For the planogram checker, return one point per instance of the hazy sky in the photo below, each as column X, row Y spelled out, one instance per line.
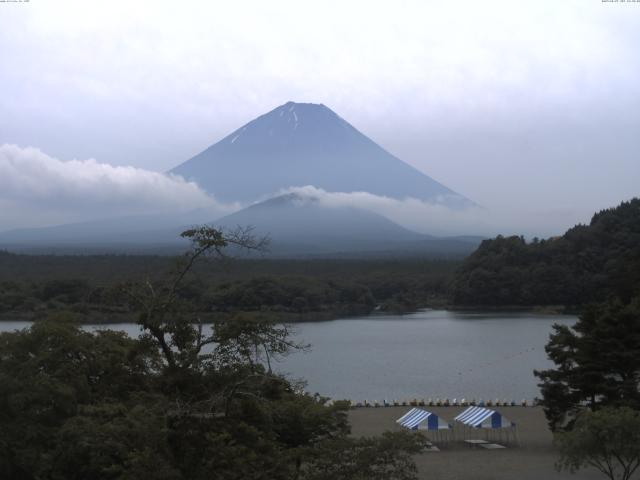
column 527, row 106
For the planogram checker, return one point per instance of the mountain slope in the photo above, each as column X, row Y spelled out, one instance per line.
column 301, row 144
column 301, row 225
column 133, row 233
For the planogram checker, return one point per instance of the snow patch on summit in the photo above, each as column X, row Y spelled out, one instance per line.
column 302, row 143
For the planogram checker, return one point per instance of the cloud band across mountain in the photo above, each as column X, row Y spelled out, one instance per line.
column 37, row 188
column 434, row 218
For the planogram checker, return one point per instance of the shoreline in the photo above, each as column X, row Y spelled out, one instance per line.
column 307, row 317
column 537, row 309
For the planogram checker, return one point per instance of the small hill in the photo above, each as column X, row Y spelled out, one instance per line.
column 302, row 225
column 588, row 263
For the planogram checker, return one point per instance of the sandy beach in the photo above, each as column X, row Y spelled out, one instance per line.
column 532, row 459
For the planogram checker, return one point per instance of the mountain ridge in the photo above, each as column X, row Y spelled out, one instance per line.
column 302, row 225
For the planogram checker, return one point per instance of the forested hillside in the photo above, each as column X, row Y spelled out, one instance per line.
column 32, row 286
column 588, row 263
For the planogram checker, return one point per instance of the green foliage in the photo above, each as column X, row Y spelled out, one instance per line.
column 76, row 404
column 293, row 295
column 384, row 458
column 597, row 362
column 588, row 263
column 607, row 439
column 293, row 290
column 48, row 374
column 251, row 340
column 65, row 290
column 79, row 405
column 114, row 440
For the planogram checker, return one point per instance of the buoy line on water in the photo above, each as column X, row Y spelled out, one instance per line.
column 498, row 361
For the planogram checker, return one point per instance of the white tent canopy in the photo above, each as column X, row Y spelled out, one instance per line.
column 480, row 417
column 418, row 419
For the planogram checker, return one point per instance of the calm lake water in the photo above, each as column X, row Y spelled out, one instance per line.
column 431, row 353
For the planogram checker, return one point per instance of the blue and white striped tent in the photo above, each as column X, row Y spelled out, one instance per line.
column 418, row 419
column 480, row 417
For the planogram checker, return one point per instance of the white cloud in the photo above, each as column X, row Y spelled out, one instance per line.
column 417, row 215
column 438, row 219
column 36, row 189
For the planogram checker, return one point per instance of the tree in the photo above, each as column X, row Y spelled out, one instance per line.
column 164, row 316
column 49, row 374
column 608, row 440
column 383, row 458
column 114, row 440
column 597, row 363
column 180, row 402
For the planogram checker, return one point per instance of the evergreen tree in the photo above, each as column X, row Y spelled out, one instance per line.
column 597, row 362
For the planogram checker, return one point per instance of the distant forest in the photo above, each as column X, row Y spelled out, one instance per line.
column 589, row 263
column 33, row 286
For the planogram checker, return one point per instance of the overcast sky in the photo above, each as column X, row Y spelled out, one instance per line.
column 527, row 106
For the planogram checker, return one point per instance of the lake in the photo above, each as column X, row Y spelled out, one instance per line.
column 430, row 353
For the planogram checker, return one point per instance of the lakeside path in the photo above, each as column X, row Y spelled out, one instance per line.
column 533, row 460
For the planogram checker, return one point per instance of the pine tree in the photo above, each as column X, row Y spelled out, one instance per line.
column 597, row 362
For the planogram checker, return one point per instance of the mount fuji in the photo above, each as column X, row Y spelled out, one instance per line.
column 294, row 145
column 301, row 144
